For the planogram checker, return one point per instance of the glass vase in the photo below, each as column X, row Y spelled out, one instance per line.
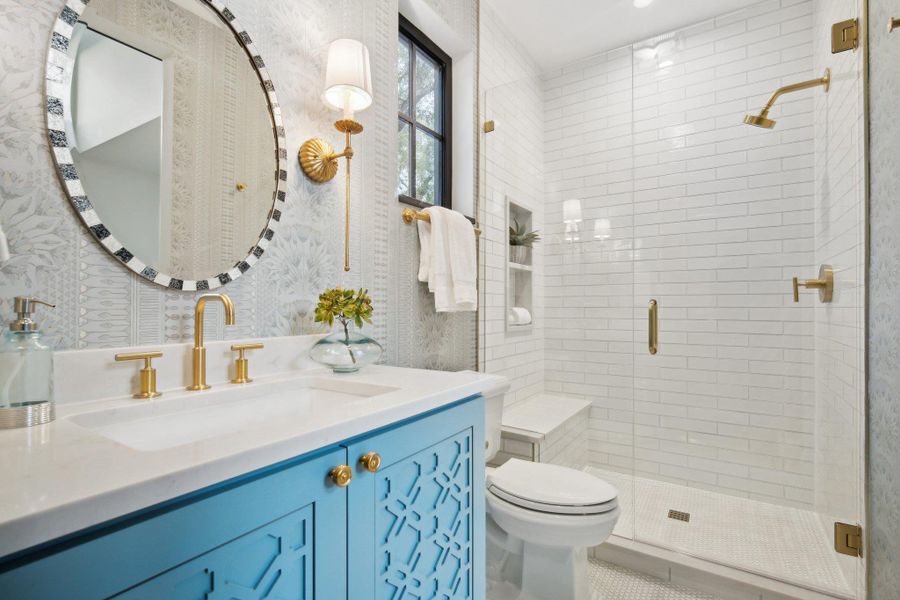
column 346, row 350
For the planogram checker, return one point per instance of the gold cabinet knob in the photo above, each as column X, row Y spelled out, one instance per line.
column 241, row 364
column 148, row 373
column 371, row 461
column 341, row 475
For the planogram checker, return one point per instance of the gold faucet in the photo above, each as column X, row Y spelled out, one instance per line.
column 199, row 348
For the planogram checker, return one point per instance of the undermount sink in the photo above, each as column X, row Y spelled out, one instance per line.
column 188, row 417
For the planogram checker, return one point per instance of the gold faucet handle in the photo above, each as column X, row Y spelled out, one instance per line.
column 241, row 363
column 148, row 373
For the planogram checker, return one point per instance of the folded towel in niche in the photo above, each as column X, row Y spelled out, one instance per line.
column 519, row 316
column 447, row 260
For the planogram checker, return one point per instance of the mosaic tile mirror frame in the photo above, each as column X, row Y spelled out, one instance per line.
column 61, row 66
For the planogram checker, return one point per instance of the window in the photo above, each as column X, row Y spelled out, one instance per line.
column 424, row 120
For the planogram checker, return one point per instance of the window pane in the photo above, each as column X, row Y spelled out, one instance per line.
column 428, row 171
column 427, row 92
column 403, row 159
column 403, row 74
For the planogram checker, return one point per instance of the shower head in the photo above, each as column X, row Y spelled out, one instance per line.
column 763, row 120
column 760, row 120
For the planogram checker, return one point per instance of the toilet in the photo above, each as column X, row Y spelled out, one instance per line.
column 541, row 521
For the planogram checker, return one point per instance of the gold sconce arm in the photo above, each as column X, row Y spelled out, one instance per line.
column 320, row 163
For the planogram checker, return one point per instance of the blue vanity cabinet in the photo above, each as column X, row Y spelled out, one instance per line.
column 414, row 528
column 276, row 533
column 416, row 525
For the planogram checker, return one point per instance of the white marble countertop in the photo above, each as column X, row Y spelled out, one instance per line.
column 61, row 477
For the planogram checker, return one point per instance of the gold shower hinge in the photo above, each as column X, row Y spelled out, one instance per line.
column 848, row 539
column 845, row 36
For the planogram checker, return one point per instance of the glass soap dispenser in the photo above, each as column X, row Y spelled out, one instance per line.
column 26, row 370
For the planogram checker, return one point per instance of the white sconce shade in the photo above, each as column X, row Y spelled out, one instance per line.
column 572, row 211
column 348, row 78
column 602, row 229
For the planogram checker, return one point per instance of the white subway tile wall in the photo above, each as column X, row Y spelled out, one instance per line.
column 683, row 203
column 512, row 167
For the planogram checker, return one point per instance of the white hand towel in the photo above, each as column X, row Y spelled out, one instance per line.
column 519, row 316
column 440, row 280
column 4, row 247
column 424, row 250
column 463, row 262
column 447, row 260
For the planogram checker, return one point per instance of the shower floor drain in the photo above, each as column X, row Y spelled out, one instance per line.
column 679, row 516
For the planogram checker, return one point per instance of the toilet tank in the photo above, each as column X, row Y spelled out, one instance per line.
column 493, row 416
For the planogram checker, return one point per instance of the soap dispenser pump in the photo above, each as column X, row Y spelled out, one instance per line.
column 26, row 370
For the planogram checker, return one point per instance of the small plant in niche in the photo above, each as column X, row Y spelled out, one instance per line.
column 520, row 241
column 345, row 351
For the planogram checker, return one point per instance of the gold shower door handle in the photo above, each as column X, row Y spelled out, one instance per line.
column 653, row 327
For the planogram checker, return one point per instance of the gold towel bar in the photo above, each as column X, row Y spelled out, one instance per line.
column 410, row 216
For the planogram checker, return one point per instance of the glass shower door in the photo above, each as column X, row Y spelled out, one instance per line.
column 747, row 403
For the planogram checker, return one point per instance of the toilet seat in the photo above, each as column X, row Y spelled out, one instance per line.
column 551, row 489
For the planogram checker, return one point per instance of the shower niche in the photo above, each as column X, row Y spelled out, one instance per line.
column 519, row 269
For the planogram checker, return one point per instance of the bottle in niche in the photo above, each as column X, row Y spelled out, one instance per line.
column 26, row 370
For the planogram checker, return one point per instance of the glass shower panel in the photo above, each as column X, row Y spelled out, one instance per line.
column 747, row 413
column 559, row 161
column 589, row 268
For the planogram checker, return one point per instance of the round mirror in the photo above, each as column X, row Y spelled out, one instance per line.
column 167, row 136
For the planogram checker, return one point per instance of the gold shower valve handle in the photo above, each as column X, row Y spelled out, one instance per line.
column 371, row 461
column 148, row 373
column 241, row 363
column 825, row 284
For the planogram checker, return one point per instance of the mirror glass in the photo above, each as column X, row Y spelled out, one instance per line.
column 171, row 133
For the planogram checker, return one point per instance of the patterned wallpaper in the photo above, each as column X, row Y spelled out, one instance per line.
column 103, row 305
column 884, row 322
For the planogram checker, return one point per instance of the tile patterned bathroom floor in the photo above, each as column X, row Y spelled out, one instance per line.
column 618, row 583
column 732, row 531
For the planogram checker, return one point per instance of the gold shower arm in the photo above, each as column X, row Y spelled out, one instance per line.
column 824, row 81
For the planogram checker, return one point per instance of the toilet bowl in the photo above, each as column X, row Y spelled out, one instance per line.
column 542, row 519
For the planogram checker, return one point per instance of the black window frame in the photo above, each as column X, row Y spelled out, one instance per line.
column 420, row 41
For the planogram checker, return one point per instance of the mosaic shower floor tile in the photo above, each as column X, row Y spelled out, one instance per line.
column 780, row 542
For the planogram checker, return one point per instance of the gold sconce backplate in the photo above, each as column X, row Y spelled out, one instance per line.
column 318, row 160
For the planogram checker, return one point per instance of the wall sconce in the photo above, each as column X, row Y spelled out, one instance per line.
column 571, row 219
column 602, row 229
column 348, row 87
column 572, row 211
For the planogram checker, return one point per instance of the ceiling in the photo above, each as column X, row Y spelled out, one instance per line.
column 556, row 32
